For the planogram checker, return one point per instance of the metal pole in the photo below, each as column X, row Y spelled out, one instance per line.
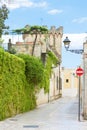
column 59, row 79
column 79, row 101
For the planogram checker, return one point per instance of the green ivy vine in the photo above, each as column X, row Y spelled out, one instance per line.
column 51, row 60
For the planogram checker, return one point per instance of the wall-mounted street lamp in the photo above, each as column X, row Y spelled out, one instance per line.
column 77, row 51
column 67, row 45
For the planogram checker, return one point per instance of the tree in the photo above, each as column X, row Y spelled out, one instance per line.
column 32, row 30
column 1, row 42
column 3, row 16
column 37, row 30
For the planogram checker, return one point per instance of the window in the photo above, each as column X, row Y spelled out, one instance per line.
column 67, row 80
column 43, row 57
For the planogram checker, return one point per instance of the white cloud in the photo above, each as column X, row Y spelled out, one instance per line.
column 13, row 4
column 77, row 40
column 55, row 11
column 80, row 20
column 40, row 4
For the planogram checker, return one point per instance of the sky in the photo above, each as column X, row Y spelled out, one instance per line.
column 72, row 15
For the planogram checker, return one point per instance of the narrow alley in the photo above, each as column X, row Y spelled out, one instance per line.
column 61, row 114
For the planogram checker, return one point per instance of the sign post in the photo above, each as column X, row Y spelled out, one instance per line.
column 79, row 72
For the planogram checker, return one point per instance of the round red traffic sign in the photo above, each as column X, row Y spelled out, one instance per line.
column 79, row 71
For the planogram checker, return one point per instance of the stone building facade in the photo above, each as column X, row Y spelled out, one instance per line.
column 84, row 79
column 70, row 82
column 49, row 42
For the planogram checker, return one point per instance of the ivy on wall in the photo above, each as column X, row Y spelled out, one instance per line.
column 20, row 76
column 51, row 60
column 36, row 73
column 16, row 95
column 34, row 69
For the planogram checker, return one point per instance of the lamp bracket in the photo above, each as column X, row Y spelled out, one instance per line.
column 80, row 51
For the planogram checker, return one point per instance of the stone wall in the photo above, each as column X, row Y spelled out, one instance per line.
column 69, row 82
column 54, row 92
column 84, row 88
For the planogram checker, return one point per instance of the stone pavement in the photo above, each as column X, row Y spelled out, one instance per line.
column 61, row 114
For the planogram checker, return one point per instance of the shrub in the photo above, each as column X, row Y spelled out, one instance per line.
column 34, row 69
column 16, row 95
